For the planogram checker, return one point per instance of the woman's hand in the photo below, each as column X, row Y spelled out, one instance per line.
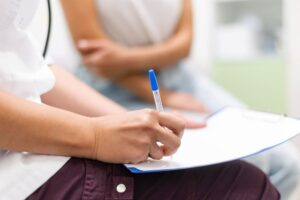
column 182, row 101
column 133, row 136
column 82, row 18
column 105, row 57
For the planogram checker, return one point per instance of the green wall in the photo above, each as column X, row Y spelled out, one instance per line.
column 259, row 83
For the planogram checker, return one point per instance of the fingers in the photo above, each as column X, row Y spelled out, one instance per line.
column 171, row 130
column 170, row 141
column 156, row 152
column 92, row 58
column 192, row 124
column 172, row 122
column 189, row 122
column 168, row 131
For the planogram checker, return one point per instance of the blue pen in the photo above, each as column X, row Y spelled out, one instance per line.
column 156, row 95
column 155, row 91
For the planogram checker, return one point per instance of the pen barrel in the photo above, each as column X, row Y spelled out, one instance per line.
column 157, row 100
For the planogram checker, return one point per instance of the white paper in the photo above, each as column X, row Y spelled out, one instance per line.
column 230, row 134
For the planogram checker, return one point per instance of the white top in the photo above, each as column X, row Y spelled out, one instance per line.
column 129, row 22
column 24, row 73
column 139, row 22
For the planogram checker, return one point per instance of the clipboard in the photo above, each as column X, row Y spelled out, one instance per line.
column 231, row 134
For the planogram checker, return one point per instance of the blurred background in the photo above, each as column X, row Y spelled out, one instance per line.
column 250, row 47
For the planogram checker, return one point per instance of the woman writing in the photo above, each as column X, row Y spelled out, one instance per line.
column 56, row 143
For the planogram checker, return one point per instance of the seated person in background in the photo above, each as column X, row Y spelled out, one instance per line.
column 48, row 115
column 121, row 62
column 120, row 40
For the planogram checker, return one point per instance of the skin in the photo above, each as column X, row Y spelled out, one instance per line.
column 127, row 66
column 72, row 125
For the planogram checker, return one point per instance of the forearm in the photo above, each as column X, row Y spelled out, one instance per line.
column 155, row 55
column 162, row 55
column 138, row 84
column 30, row 127
column 73, row 95
column 82, row 19
column 171, row 51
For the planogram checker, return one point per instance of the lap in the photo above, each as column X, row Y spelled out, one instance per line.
column 86, row 179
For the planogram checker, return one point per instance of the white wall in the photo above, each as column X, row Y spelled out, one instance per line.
column 292, row 52
column 204, row 36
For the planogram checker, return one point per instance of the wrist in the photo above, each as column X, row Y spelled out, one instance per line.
column 134, row 59
column 91, row 139
column 83, row 144
column 97, row 139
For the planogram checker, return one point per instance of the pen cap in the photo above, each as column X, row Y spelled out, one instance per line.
column 153, row 81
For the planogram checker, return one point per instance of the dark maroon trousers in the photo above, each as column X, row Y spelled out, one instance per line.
column 91, row 180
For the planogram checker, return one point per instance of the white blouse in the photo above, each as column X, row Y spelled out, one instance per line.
column 139, row 22
column 24, row 73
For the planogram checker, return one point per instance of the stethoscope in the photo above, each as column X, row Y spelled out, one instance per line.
column 49, row 28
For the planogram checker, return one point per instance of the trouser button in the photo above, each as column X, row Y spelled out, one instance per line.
column 121, row 188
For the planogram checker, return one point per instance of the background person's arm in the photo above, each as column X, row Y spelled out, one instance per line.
column 84, row 25
column 72, row 95
column 171, row 51
column 139, row 85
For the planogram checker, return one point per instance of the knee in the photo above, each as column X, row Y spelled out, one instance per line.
column 290, row 171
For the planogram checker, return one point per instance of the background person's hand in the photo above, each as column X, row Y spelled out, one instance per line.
column 133, row 136
column 182, row 101
column 191, row 123
column 105, row 58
